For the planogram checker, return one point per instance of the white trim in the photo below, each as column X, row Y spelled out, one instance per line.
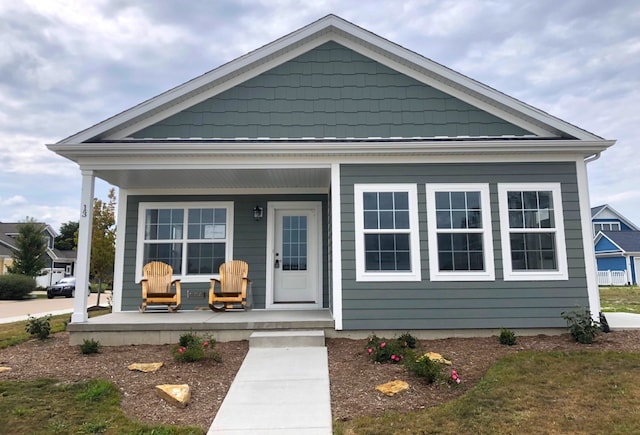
column 144, row 206
column 272, row 206
column 617, row 213
column 561, row 251
column 118, row 269
column 588, row 247
column 336, row 245
column 435, row 273
column 242, row 191
column 609, row 223
column 83, row 264
column 415, row 274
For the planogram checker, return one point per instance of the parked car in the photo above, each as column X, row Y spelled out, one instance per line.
column 65, row 287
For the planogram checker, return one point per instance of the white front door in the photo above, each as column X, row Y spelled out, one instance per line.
column 295, row 255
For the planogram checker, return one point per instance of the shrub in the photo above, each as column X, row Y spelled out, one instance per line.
column 407, row 340
column 191, row 347
column 16, row 287
column 385, row 351
column 89, row 347
column 581, row 325
column 423, row 367
column 507, row 337
column 39, row 327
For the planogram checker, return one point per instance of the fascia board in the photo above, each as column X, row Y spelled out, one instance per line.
column 612, row 242
column 180, row 149
column 328, row 25
column 618, row 214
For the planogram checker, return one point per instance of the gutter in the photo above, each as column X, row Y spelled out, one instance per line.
column 592, row 158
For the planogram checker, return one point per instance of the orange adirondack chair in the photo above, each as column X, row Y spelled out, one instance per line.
column 156, row 287
column 233, row 286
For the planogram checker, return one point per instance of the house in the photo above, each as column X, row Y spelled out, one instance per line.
column 61, row 263
column 617, row 246
column 354, row 176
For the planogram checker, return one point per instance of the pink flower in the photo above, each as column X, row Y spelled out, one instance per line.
column 393, row 357
column 370, row 350
column 383, row 344
column 181, row 350
column 205, row 344
column 457, row 380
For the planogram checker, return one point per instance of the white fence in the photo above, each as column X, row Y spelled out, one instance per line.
column 612, row 277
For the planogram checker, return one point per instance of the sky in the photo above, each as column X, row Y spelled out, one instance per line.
column 66, row 65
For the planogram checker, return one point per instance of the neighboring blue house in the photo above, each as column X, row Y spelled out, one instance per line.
column 617, row 246
column 355, row 177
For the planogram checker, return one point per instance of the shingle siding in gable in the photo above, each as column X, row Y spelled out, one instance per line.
column 459, row 305
column 331, row 91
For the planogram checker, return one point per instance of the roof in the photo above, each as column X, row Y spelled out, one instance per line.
column 329, row 28
column 627, row 241
column 602, row 209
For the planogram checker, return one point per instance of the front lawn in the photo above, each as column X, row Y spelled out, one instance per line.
column 623, row 299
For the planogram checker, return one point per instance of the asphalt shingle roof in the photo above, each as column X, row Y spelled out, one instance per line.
column 629, row 241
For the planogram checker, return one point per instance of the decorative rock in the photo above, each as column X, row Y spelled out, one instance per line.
column 145, row 367
column 437, row 358
column 5, row 369
column 393, row 387
column 177, row 395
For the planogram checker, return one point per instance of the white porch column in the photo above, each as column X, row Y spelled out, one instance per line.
column 587, row 240
column 84, row 248
column 628, row 270
column 336, row 246
column 118, row 268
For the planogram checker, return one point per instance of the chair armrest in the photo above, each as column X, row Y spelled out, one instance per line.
column 176, row 283
column 145, row 287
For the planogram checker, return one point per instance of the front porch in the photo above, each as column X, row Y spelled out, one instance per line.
column 161, row 327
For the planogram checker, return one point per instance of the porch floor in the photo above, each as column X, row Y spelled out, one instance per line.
column 162, row 327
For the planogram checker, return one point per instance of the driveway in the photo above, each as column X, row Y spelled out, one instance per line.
column 14, row 311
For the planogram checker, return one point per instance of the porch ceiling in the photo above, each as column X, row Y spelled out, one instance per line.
column 273, row 178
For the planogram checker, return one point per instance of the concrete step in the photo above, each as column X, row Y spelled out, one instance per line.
column 303, row 338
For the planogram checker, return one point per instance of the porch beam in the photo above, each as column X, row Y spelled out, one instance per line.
column 84, row 248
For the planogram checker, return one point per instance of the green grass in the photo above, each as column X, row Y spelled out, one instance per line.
column 624, row 299
column 14, row 333
column 531, row 392
column 46, row 406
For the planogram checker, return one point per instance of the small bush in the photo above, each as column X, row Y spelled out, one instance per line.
column 39, row 327
column 191, row 347
column 423, row 367
column 89, row 347
column 385, row 351
column 407, row 340
column 16, row 287
column 581, row 325
column 507, row 337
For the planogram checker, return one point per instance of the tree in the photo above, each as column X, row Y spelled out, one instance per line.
column 67, row 240
column 30, row 257
column 103, row 240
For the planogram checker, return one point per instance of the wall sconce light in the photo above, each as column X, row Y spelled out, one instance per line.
column 257, row 213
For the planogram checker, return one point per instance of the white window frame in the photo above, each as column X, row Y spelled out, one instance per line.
column 142, row 209
column 414, row 234
column 505, row 231
column 611, row 224
column 435, row 274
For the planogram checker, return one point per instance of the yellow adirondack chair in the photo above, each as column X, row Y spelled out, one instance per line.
column 233, row 286
column 156, row 287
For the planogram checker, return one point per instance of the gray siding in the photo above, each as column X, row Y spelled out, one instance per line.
column 249, row 244
column 331, row 91
column 457, row 305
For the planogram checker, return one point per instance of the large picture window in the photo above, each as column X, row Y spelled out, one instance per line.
column 459, row 227
column 387, row 241
column 194, row 238
column 532, row 228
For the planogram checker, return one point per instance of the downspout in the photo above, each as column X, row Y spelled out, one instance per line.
column 592, row 158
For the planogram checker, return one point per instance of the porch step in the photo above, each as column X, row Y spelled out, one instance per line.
column 307, row 338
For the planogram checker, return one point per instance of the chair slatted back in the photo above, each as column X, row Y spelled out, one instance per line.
column 231, row 276
column 159, row 276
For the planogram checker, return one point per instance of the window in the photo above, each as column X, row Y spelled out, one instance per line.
column 532, row 229
column 194, row 238
column 387, row 240
column 605, row 226
column 459, row 226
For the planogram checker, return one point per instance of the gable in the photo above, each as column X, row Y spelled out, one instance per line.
column 603, row 244
column 331, row 92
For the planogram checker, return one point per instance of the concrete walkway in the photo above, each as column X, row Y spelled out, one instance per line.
column 622, row 321
column 278, row 390
column 16, row 311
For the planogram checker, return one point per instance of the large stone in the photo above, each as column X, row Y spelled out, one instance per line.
column 145, row 367
column 433, row 356
column 5, row 369
column 177, row 395
column 393, row 387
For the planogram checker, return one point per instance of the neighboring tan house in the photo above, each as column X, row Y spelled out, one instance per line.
column 61, row 263
column 617, row 246
column 353, row 175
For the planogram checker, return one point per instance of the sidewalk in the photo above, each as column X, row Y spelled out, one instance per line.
column 278, row 391
column 16, row 311
column 622, row 321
